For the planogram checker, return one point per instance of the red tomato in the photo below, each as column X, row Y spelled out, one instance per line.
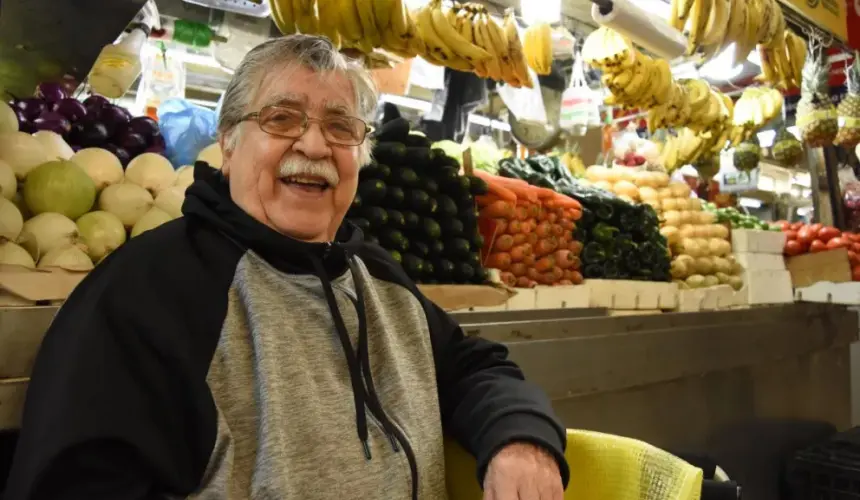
column 816, row 227
column 827, row 233
column 853, row 258
column 792, row 247
column 790, row 235
column 855, row 273
column 837, row 243
column 855, row 247
column 817, row 246
column 806, row 235
column 796, row 226
column 855, row 238
column 784, row 225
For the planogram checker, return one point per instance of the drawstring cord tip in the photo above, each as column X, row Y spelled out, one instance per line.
column 393, row 443
column 366, row 449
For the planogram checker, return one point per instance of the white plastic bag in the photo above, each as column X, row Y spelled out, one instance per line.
column 579, row 104
column 524, row 103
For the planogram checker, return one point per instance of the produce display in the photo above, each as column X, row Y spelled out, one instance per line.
column 463, row 37
column 529, row 233
column 787, row 150
column 485, row 153
column 849, row 109
column 72, row 213
column 738, row 220
column 811, row 238
column 413, row 202
column 629, row 184
column 621, row 239
column 702, row 253
column 817, row 118
column 52, row 114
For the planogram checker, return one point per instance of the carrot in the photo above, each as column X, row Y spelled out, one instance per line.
column 533, row 274
column 534, row 210
column 563, row 201
column 518, row 188
column 520, row 238
column 529, row 260
column 544, row 264
column 564, row 258
column 575, row 247
column 518, row 269
column 498, row 260
column 556, row 273
column 519, row 253
column 521, row 213
column 567, row 224
column 543, row 229
column 552, row 217
column 575, row 215
column 532, row 238
column 504, row 243
column 508, row 279
column 543, row 216
column 526, row 227
column 564, row 282
column 515, row 227
column 501, row 225
column 557, row 230
column 568, row 274
column 546, row 246
column 576, row 277
column 499, row 208
column 577, row 264
column 525, row 282
column 484, row 200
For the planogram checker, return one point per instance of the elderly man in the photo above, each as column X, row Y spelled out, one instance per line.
column 258, row 349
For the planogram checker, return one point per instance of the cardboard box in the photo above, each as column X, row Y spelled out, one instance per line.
column 757, row 241
column 760, row 261
column 769, row 286
column 21, row 286
column 464, row 297
column 830, row 293
column 562, row 297
column 713, row 298
column 638, row 295
column 808, row 269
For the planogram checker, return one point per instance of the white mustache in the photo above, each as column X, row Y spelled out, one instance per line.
column 299, row 165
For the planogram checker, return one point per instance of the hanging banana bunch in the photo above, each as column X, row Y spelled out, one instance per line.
column 538, row 48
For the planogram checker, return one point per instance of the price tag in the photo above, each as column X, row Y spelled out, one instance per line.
column 467, row 161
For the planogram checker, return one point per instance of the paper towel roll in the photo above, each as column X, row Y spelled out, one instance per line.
column 642, row 28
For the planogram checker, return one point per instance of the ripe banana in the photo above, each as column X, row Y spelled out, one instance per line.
column 383, row 10
column 698, row 22
column 349, row 26
column 304, row 12
column 515, row 51
column 367, row 18
column 436, row 47
column 282, row 15
column 538, row 48
column 452, row 39
column 482, row 37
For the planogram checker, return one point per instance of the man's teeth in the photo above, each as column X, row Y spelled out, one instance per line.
column 306, row 181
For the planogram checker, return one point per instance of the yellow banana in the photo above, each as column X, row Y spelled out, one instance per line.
column 328, row 24
column 716, row 27
column 367, row 18
column 305, row 15
column 349, row 26
column 482, row 37
column 459, row 45
column 435, row 46
column 515, row 50
column 699, row 20
column 282, row 15
column 674, row 18
column 382, row 13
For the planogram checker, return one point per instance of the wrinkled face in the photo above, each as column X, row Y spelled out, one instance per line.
column 300, row 187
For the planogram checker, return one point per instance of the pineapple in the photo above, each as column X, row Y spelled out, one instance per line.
column 816, row 115
column 849, row 109
column 787, row 150
column 707, row 166
column 747, row 154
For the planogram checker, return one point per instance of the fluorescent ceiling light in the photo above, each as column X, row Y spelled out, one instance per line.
column 540, row 11
column 749, row 202
column 407, row 102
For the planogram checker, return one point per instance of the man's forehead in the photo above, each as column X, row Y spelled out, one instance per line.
column 305, row 101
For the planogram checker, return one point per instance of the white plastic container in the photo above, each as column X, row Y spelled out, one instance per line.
column 118, row 65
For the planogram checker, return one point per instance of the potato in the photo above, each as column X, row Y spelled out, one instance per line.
column 696, row 281
column 704, row 265
column 711, row 281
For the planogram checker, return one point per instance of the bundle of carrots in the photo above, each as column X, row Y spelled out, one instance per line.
column 528, row 233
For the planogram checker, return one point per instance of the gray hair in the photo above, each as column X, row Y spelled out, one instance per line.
column 313, row 52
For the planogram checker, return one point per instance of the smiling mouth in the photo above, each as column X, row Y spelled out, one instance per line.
column 306, row 182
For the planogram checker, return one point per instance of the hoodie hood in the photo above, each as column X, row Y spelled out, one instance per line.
column 208, row 201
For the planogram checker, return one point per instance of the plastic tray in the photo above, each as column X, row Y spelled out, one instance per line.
column 245, row 7
column 827, row 471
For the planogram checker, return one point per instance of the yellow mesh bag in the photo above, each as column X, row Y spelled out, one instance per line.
column 602, row 467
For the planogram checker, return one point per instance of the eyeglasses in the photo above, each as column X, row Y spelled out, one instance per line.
column 293, row 123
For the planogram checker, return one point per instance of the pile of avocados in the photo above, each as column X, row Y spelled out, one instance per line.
column 413, row 202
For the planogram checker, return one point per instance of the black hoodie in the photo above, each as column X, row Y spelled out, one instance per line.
column 216, row 358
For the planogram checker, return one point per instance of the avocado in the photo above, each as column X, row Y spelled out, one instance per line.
column 418, row 200
column 437, row 247
column 361, row 223
column 396, row 256
column 463, row 273
column 414, row 266
column 413, row 220
column 474, row 260
column 477, row 186
column 417, row 141
column 418, row 158
column 393, row 239
column 444, row 269
column 431, row 229
column 457, row 248
column 376, row 171
column 447, row 177
column 396, row 219
column 469, row 216
column 451, row 227
column 447, row 206
column 480, row 276
column 377, row 216
column 395, row 196
column 405, row 177
column 372, row 191
column 420, row 248
column 429, row 270
column 430, row 185
column 476, row 241
column 391, row 153
column 396, row 130
column 433, row 207
column 440, row 159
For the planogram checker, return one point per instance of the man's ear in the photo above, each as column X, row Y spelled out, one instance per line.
column 226, row 151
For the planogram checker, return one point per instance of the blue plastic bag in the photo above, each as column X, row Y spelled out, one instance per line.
column 187, row 129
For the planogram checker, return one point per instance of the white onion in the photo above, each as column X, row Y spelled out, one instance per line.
column 59, row 186
column 151, row 171
column 170, row 200
column 127, row 201
column 184, row 176
column 47, row 231
column 13, row 255
column 8, row 182
column 22, row 152
column 212, row 155
column 150, row 220
column 8, row 119
column 103, row 167
column 11, row 221
column 68, row 257
column 54, row 145
column 101, row 232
